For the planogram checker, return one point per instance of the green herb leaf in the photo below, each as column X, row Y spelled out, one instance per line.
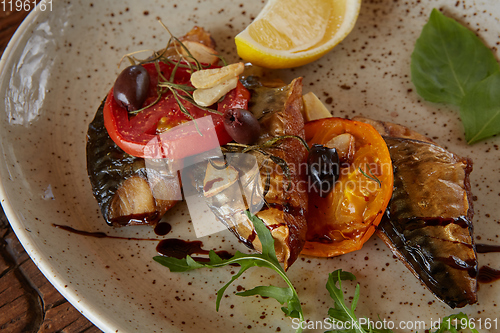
column 480, row 110
column 176, row 265
column 448, row 60
column 372, row 177
column 455, row 323
column 265, row 237
column 282, row 295
column 451, row 65
column 265, row 259
column 341, row 313
column 345, row 317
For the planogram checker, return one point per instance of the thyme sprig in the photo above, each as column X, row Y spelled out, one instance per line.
column 187, row 94
column 372, row 177
column 233, row 147
column 271, row 143
column 176, row 42
column 182, row 58
column 147, row 106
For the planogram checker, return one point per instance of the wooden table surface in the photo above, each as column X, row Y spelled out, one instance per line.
column 28, row 302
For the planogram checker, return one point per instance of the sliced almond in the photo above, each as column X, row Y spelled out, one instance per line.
column 345, row 145
column 314, row 108
column 208, row 78
column 200, row 52
column 207, row 97
column 217, row 180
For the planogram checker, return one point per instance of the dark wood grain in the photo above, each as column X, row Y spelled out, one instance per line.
column 28, row 302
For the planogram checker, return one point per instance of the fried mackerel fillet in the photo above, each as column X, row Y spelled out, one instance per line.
column 284, row 208
column 120, row 182
column 428, row 223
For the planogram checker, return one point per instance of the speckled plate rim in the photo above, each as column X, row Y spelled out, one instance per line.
column 85, row 306
column 15, row 222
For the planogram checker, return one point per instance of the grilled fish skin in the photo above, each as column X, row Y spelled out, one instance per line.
column 120, row 181
column 428, row 223
column 429, row 219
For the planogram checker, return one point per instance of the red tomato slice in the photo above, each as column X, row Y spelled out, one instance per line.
column 136, row 134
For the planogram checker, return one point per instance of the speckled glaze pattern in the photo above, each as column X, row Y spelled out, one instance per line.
column 60, row 65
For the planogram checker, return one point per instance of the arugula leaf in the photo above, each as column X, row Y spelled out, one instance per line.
column 346, row 319
column 461, row 320
column 448, row 60
column 341, row 313
column 483, row 97
column 265, row 259
column 450, row 64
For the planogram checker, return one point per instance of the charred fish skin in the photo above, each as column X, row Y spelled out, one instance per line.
column 120, row 181
column 107, row 164
column 127, row 191
column 428, row 223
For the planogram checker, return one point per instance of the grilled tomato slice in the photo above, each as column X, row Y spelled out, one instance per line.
column 134, row 134
column 344, row 220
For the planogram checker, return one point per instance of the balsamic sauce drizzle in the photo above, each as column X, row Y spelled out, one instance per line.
column 96, row 234
column 487, row 248
column 178, row 248
column 170, row 247
column 487, row 274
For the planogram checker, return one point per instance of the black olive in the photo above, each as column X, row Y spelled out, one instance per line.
column 131, row 87
column 323, row 169
column 242, row 126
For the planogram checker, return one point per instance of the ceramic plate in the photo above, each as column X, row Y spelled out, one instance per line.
column 61, row 63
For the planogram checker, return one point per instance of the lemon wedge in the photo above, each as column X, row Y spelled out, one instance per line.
column 291, row 33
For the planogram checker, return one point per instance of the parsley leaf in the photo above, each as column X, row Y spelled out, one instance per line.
column 450, row 64
column 265, row 259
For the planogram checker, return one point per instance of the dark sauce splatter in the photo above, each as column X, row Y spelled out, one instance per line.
column 457, row 263
column 162, row 228
column 488, row 275
column 486, row 248
column 252, row 237
column 96, row 234
column 171, row 247
column 179, row 249
column 146, row 218
column 208, row 186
